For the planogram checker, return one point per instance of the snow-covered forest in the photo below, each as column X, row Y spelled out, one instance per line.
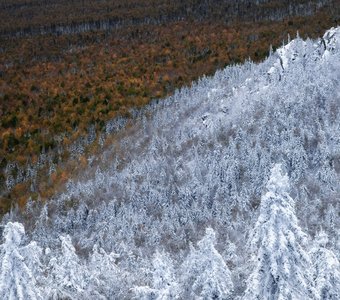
column 227, row 190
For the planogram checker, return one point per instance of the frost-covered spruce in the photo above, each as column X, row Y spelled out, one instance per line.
column 205, row 273
column 326, row 269
column 164, row 285
column 18, row 265
column 282, row 268
column 105, row 279
column 66, row 273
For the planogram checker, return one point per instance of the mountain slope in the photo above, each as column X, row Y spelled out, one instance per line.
column 54, row 97
column 202, row 159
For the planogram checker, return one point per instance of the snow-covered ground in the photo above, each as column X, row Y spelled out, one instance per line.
column 182, row 207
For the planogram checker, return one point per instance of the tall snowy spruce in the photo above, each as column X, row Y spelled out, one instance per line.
column 105, row 279
column 18, row 265
column 205, row 273
column 164, row 285
column 326, row 269
column 282, row 268
column 66, row 273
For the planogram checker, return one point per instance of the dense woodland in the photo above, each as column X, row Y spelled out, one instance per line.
column 44, row 17
column 228, row 189
column 62, row 79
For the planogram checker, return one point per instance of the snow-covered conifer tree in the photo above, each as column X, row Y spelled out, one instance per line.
column 282, row 268
column 164, row 286
column 67, row 274
column 18, row 263
column 105, row 279
column 332, row 224
column 326, row 269
column 205, row 273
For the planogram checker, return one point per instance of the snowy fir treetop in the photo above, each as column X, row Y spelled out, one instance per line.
column 13, row 233
column 209, row 239
column 278, row 182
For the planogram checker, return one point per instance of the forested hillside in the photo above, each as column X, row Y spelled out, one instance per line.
column 228, row 189
column 69, row 69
